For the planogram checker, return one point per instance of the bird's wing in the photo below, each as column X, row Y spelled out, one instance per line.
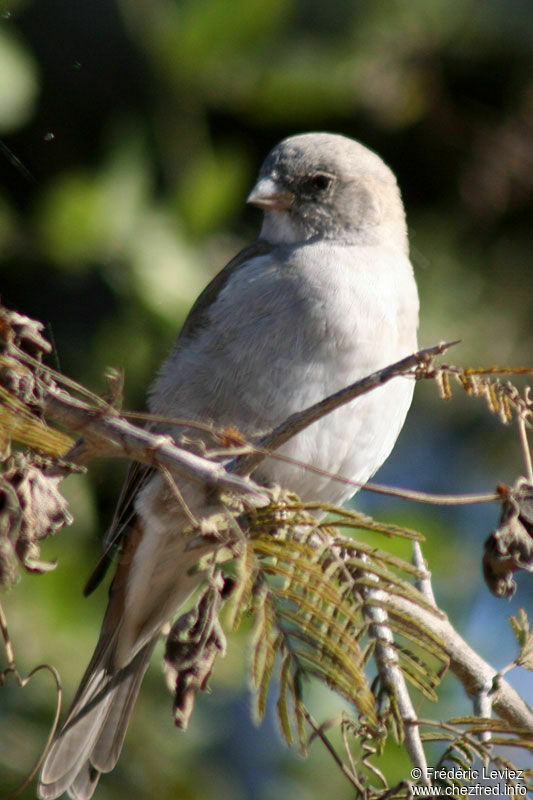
column 197, row 316
column 123, row 520
column 140, row 474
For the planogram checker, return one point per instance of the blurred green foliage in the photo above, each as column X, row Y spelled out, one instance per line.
column 130, row 134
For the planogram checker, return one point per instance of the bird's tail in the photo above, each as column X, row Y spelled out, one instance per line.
column 91, row 738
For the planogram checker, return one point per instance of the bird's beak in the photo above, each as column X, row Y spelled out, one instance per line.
column 268, row 195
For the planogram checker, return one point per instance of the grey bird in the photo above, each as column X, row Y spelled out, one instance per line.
column 324, row 296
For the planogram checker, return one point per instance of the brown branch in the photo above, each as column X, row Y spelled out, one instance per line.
column 244, row 465
column 471, row 670
column 393, row 678
column 107, row 434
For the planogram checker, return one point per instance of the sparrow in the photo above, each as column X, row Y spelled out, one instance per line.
column 323, row 297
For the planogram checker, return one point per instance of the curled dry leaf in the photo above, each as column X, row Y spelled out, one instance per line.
column 31, row 505
column 31, row 508
column 23, row 332
column 20, row 333
column 193, row 644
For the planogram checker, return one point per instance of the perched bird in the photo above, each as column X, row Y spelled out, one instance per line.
column 323, row 297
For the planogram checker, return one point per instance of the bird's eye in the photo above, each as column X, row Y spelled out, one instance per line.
column 320, row 181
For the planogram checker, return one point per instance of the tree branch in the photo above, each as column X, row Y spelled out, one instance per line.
column 473, row 672
column 393, row 677
column 107, row 434
column 244, row 465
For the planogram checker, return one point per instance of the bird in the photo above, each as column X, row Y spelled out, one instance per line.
column 324, row 296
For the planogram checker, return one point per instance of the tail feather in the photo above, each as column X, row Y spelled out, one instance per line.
column 85, row 782
column 146, row 591
column 107, row 748
column 91, row 738
column 72, row 748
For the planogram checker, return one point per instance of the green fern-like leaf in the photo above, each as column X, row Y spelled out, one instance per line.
column 245, row 578
column 282, row 705
column 524, row 636
column 271, row 648
column 309, row 589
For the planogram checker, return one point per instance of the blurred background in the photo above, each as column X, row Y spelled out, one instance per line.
column 130, row 134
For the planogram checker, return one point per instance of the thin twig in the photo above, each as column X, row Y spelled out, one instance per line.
column 245, row 448
column 179, row 496
column 526, row 453
column 108, row 434
column 431, row 498
column 11, row 669
column 344, row 732
column 244, row 465
column 417, row 496
column 423, row 584
column 338, row 760
column 112, row 436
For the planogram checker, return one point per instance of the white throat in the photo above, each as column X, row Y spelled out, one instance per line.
column 279, row 228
